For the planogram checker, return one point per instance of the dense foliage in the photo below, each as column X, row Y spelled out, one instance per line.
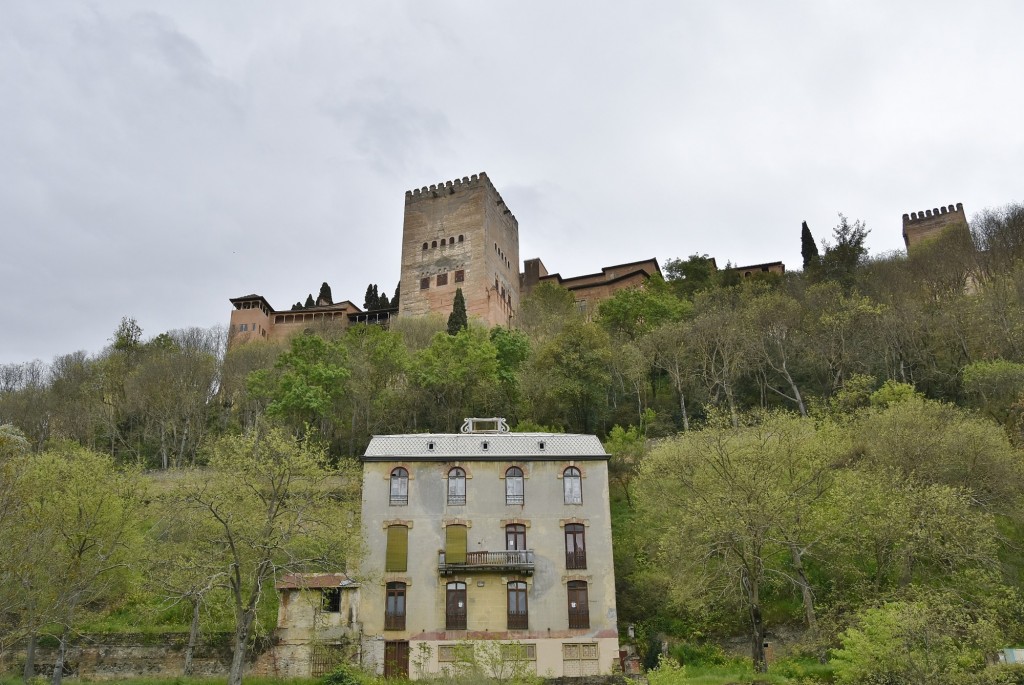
column 837, row 449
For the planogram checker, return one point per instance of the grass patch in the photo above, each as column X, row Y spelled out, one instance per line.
column 741, row 671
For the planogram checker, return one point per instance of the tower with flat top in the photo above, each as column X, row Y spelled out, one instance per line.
column 460, row 234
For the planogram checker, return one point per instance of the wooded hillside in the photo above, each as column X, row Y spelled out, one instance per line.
column 837, row 450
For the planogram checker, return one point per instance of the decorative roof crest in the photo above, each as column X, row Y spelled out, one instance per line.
column 492, row 425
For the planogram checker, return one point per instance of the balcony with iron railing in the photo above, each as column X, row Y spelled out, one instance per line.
column 511, row 561
column 394, row 621
column 518, row 620
column 579, row 618
column 455, row 619
column 576, row 559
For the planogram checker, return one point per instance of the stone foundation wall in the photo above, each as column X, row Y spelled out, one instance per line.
column 110, row 657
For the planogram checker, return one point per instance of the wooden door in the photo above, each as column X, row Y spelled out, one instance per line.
column 396, row 659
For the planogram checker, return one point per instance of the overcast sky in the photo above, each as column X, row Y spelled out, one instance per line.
column 158, row 158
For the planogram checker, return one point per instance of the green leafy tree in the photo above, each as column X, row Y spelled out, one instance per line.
column 309, row 301
column 728, row 505
column 546, row 311
column 377, row 360
column 668, row 349
column 842, row 333
column 778, row 343
column 999, row 235
column 627, row 447
column 513, row 349
column 938, row 443
column 307, row 383
column 843, row 257
column 268, row 503
column 690, row 276
column 456, row 377
column 932, row 640
column 458, row 319
column 884, row 533
column 892, row 392
column 633, row 312
column 720, row 344
column 15, row 550
column 128, row 336
column 996, row 387
column 81, row 514
column 570, row 377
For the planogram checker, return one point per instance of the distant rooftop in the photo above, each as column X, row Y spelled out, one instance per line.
column 312, row 581
column 484, row 440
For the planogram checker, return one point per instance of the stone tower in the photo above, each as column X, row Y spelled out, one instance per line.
column 920, row 226
column 460, row 234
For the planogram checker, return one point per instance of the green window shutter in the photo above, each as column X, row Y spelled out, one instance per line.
column 455, row 544
column 397, row 558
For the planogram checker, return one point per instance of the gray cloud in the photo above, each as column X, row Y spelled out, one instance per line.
column 157, row 158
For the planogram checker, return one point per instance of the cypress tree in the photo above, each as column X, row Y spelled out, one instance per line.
column 383, row 303
column 808, row 250
column 394, row 300
column 458, row 319
column 325, row 295
column 309, row 301
column 368, row 299
column 376, row 298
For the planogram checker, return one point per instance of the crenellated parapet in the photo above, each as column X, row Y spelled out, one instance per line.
column 936, row 212
column 454, row 186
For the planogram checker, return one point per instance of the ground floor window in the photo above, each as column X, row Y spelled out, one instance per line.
column 580, row 659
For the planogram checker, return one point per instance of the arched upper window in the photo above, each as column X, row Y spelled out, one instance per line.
column 425, row 246
column 514, row 493
column 456, row 487
column 399, row 487
column 460, row 238
column 573, row 485
column 433, row 243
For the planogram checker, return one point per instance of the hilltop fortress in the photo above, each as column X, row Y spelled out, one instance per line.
column 462, row 234
column 455, row 234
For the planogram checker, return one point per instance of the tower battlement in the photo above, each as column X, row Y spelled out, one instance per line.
column 925, row 224
column 931, row 213
column 451, row 187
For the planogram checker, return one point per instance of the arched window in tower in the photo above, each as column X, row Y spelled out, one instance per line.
column 433, row 243
column 425, row 246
